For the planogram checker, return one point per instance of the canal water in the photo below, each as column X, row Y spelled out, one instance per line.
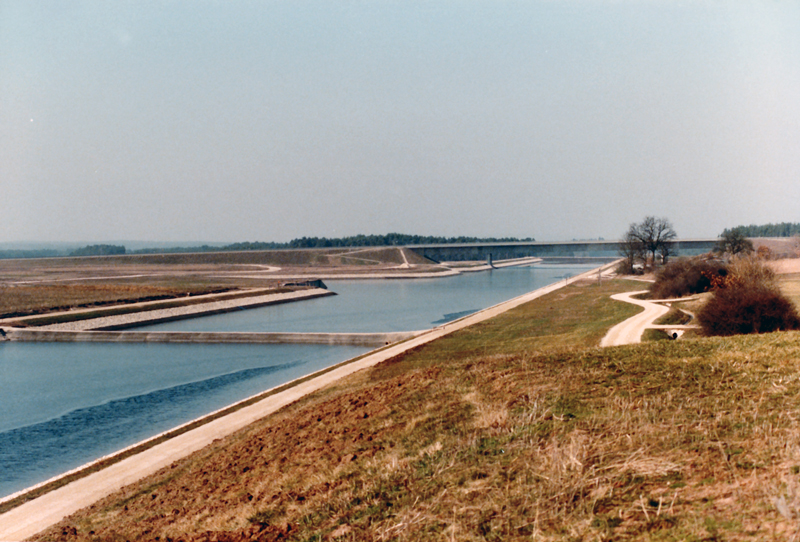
column 65, row 404
column 363, row 306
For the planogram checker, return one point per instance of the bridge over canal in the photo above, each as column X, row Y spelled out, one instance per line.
column 567, row 249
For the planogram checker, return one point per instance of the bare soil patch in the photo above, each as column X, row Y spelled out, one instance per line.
column 29, row 299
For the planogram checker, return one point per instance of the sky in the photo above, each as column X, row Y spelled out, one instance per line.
column 235, row 120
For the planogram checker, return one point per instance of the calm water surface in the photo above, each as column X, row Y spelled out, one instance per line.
column 62, row 405
column 385, row 305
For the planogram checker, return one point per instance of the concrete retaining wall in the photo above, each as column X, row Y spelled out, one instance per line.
column 156, row 316
column 354, row 339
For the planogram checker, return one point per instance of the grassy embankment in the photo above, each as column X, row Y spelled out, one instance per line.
column 516, row 428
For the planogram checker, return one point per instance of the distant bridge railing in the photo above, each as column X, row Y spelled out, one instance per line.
column 566, row 249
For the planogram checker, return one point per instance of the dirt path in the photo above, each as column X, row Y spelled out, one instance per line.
column 38, row 514
column 630, row 331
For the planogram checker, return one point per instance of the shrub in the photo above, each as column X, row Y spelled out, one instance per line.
column 625, row 267
column 748, row 300
column 764, row 253
column 687, row 276
column 734, row 311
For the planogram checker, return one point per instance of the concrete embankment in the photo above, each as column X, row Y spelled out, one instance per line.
column 134, row 319
column 353, row 339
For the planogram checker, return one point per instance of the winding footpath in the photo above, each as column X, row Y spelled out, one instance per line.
column 630, row 331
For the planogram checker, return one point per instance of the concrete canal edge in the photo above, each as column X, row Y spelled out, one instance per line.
column 200, row 337
column 36, row 508
column 137, row 318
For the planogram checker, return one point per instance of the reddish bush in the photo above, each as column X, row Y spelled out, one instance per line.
column 740, row 310
column 764, row 253
column 747, row 300
column 687, row 276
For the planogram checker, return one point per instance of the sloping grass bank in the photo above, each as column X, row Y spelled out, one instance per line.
column 514, row 429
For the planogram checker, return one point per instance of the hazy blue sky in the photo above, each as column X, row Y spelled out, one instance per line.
column 268, row 120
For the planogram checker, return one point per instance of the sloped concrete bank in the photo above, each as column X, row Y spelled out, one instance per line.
column 353, row 339
column 157, row 316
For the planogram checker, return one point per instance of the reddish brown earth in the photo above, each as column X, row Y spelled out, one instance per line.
column 245, row 476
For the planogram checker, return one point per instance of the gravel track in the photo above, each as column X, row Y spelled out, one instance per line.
column 630, row 331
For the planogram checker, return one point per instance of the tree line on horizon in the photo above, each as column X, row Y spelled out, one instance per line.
column 782, row 229
column 99, row 250
column 389, row 239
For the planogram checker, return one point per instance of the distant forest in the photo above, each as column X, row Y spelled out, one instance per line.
column 99, row 250
column 36, row 253
column 783, row 229
column 390, row 239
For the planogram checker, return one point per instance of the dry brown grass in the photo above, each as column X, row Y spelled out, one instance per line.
column 779, row 247
column 790, row 286
column 637, row 443
column 487, row 435
column 27, row 299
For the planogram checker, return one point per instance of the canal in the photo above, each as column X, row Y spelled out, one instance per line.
column 65, row 404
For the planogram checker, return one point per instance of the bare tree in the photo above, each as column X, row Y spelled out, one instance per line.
column 666, row 250
column 655, row 235
column 632, row 250
column 734, row 242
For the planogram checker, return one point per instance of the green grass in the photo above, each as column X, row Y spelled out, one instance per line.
column 655, row 335
column 574, row 317
column 674, row 317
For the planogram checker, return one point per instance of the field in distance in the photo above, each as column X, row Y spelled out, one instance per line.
column 38, row 286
